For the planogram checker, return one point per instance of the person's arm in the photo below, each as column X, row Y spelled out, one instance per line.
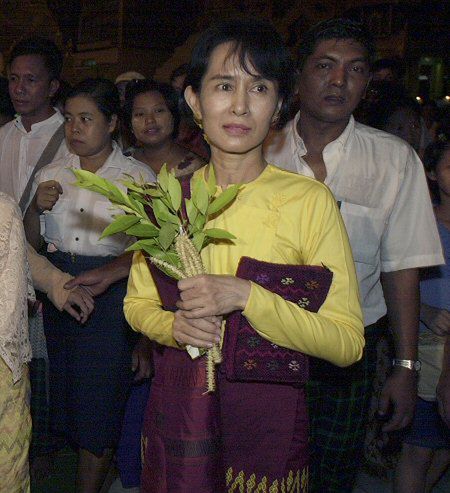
column 436, row 319
column 443, row 386
column 401, row 292
column 98, row 280
column 45, row 195
column 335, row 333
column 50, row 280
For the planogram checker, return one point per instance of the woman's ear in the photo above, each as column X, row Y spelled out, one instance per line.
column 276, row 114
column 112, row 124
column 192, row 100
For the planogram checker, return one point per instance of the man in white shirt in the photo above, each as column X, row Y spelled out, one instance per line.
column 380, row 185
column 34, row 68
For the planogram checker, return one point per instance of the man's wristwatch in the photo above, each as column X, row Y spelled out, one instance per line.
column 408, row 363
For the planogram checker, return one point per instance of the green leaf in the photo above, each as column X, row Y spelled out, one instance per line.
column 153, row 192
column 162, row 213
column 174, row 189
column 199, row 222
column 212, row 184
column 224, row 199
column 219, row 234
column 200, row 195
column 191, row 210
column 143, row 231
column 166, row 235
column 143, row 245
column 120, row 224
column 163, row 178
column 198, row 240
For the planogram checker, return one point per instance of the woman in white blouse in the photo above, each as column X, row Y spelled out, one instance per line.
column 90, row 365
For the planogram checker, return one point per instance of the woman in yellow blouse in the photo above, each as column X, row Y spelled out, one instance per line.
column 239, row 84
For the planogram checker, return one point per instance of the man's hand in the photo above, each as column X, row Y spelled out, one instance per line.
column 83, row 302
column 398, row 395
column 141, row 359
column 436, row 319
column 46, row 196
column 198, row 332
column 212, row 295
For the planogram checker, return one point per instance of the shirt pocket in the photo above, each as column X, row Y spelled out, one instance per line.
column 54, row 222
column 365, row 227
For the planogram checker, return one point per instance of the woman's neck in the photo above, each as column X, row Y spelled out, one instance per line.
column 237, row 168
column 156, row 156
column 95, row 162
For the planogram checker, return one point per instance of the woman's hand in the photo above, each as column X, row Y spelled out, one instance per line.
column 212, row 295
column 436, row 319
column 79, row 304
column 46, row 196
column 198, row 332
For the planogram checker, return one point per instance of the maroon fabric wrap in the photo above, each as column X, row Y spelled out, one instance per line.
column 250, row 357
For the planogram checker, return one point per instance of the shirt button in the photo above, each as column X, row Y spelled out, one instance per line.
column 82, row 210
column 76, row 239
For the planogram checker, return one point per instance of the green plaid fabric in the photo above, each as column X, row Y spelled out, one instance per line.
column 338, row 410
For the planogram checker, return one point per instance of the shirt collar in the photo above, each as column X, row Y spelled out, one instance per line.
column 55, row 118
column 340, row 142
column 114, row 160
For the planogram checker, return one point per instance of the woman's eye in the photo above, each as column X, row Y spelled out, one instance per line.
column 160, row 110
column 138, row 115
column 358, row 69
column 261, row 88
column 225, row 87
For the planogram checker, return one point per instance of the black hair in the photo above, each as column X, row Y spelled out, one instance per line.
column 50, row 53
column 170, row 95
column 6, row 106
column 336, row 28
column 103, row 92
column 434, row 152
column 258, row 47
column 180, row 70
column 393, row 64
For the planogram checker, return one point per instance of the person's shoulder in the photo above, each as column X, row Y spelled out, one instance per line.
column 380, row 137
column 62, row 163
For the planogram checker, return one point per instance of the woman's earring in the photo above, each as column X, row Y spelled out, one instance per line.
column 198, row 121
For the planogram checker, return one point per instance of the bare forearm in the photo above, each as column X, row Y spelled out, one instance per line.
column 119, row 268
column 401, row 291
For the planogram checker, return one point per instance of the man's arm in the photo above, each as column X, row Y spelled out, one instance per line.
column 98, row 280
column 401, row 292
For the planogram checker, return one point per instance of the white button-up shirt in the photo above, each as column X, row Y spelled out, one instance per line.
column 380, row 182
column 20, row 151
column 79, row 217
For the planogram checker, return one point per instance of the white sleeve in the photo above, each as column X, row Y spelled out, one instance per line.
column 411, row 238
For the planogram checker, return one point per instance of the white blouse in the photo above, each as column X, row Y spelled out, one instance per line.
column 79, row 217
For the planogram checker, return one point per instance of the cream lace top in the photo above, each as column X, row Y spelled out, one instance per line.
column 15, row 288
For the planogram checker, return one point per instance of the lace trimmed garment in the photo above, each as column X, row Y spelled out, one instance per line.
column 15, row 288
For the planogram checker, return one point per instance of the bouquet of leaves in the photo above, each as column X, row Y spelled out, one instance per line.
column 174, row 238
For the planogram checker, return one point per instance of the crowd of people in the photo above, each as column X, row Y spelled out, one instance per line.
column 338, row 188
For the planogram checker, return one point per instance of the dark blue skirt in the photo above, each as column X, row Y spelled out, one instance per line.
column 90, row 364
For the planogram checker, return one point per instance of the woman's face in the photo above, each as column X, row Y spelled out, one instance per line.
column 88, row 132
column 151, row 119
column 236, row 108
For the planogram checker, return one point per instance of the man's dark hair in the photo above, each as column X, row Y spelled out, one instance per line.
column 393, row 64
column 51, row 54
column 6, row 106
column 336, row 28
column 168, row 93
column 257, row 46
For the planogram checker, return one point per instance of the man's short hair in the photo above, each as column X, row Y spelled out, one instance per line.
column 336, row 28
column 51, row 54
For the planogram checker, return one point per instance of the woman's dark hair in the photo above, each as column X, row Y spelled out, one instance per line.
column 43, row 47
column 180, row 70
column 258, row 47
column 103, row 92
column 171, row 98
column 340, row 28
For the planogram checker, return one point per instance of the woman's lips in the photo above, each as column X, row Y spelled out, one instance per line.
column 236, row 129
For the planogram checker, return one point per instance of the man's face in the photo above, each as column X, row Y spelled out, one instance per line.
column 333, row 80
column 30, row 87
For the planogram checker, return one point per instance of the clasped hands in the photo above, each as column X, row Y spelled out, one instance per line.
column 204, row 300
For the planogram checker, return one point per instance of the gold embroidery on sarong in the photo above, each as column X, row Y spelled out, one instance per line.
column 295, row 482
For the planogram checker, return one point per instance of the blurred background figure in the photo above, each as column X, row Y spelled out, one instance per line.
column 7, row 110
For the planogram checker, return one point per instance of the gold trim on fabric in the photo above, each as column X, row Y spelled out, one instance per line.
column 295, row 482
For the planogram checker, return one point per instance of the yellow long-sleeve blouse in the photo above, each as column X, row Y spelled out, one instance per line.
column 279, row 217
